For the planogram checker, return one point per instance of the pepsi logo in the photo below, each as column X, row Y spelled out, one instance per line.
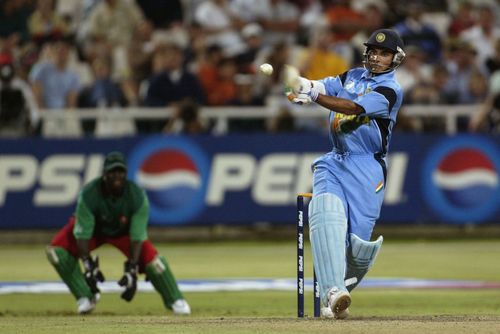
column 461, row 179
column 467, row 177
column 173, row 172
column 170, row 177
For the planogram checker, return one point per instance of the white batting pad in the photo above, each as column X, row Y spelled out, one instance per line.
column 328, row 230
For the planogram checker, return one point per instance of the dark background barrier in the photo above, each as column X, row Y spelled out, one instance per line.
column 243, row 179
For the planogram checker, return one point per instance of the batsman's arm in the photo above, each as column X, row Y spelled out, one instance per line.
column 343, row 106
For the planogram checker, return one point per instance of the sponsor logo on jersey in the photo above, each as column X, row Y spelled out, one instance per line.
column 174, row 173
column 460, row 179
column 348, row 123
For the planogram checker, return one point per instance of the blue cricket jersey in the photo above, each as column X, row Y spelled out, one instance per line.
column 369, row 132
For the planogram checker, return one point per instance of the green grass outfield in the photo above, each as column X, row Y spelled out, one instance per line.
column 373, row 311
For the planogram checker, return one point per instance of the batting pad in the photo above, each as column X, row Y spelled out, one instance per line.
column 160, row 275
column 69, row 270
column 361, row 256
column 328, row 230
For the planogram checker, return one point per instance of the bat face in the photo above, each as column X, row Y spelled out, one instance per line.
column 291, row 78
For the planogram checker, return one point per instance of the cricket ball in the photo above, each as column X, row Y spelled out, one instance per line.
column 266, row 69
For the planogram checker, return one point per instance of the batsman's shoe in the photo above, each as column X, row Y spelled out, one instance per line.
column 326, row 312
column 342, row 314
column 338, row 301
column 85, row 305
column 181, row 307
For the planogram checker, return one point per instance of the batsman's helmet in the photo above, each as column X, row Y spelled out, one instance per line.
column 388, row 39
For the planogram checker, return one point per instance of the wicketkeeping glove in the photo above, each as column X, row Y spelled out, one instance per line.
column 92, row 273
column 129, row 280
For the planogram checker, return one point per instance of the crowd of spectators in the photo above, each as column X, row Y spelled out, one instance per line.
column 65, row 55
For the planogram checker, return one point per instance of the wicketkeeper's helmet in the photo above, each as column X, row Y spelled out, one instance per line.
column 388, row 39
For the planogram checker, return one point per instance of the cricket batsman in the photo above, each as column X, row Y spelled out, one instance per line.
column 349, row 182
column 112, row 210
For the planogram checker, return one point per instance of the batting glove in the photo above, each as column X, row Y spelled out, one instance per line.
column 92, row 273
column 129, row 280
column 311, row 95
column 298, row 98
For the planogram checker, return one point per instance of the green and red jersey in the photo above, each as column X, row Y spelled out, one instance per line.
column 100, row 214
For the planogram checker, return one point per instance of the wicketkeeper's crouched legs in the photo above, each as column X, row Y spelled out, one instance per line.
column 160, row 275
column 68, row 268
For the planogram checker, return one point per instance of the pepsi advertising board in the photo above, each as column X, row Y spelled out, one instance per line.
column 243, row 179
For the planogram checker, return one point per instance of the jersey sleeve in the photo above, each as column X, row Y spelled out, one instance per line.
column 333, row 85
column 377, row 103
column 139, row 221
column 85, row 221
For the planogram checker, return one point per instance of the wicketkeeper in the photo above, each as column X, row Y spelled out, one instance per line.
column 112, row 210
column 349, row 181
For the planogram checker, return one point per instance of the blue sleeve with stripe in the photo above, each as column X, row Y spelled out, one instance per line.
column 377, row 103
column 333, row 85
